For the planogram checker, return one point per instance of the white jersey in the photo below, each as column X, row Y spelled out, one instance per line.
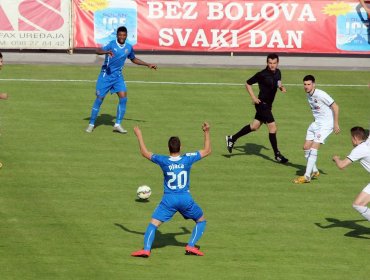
column 320, row 103
column 362, row 153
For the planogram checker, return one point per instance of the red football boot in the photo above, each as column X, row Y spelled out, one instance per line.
column 189, row 250
column 141, row 253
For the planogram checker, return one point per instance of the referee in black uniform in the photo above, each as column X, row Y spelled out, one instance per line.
column 269, row 80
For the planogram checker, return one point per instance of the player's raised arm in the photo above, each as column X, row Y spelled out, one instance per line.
column 207, row 141
column 144, row 151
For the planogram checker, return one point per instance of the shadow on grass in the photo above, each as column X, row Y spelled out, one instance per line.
column 255, row 149
column 107, row 119
column 357, row 231
column 161, row 239
column 139, row 200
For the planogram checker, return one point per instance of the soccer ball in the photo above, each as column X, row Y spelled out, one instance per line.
column 144, row 192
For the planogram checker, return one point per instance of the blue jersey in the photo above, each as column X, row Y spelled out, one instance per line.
column 176, row 171
column 114, row 64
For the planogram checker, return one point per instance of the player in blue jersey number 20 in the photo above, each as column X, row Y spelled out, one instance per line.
column 176, row 198
column 111, row 79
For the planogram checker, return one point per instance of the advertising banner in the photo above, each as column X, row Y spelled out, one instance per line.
column 226, row 26
column 35, row 24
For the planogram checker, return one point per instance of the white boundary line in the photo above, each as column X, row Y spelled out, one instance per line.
column 165, row 83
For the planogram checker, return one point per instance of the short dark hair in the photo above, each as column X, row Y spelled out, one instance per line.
column 121, row 29
column 309, row 78
column 272, row 56
column 174, row 144
column 359, row 132
column 1, row 55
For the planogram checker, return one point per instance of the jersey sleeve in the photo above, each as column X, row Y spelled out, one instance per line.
column 157, row 159
column 327, row 99
column 356, row 154
column 131, row 55
column 279, row 83
column 254, row 79
column 193, row 157
column 107, row 47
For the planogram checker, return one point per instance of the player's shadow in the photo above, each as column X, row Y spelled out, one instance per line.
column 248, row 149
column 356, row 230
column 103, row 119
column 107, row 119
column 161, row 239
column 255, row 149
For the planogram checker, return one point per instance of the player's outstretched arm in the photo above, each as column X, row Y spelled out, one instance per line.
column 341, row 163
column 144, row 151
column 140, row 62
column 207, row 141
column 101, row 51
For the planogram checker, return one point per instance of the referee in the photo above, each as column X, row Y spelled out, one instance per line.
column 269, row 80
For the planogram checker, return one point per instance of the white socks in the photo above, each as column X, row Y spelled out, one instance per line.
column 311, row 162
column 306, row 155
column 363, row 210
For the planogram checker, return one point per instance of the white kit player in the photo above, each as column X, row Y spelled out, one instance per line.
column 326, row 114
column 361, row 152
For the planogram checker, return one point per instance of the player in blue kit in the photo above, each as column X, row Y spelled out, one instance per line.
column 111, row 79
column 176, row 197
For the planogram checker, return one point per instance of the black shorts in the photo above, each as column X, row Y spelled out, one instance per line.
column 264, row 113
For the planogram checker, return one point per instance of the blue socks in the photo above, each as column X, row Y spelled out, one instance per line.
column 121, row 109
column 197, row 233
column 95, row 110
column 149, row 236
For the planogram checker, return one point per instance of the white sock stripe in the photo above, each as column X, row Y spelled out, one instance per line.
column 150, row 234
column 196, row 232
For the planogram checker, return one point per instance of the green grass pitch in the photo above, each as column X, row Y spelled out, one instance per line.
column 68, row 199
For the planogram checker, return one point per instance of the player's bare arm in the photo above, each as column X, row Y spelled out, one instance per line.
column 207, row 141
column 249, row 88
column 335, row 108
column 281, row 87
column 144, row 151
column 341, row 163
column 140, row 62
column 101, row 52
column 3, row 95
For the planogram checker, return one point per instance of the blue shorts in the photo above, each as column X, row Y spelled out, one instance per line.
column 109, row 83
column 182, row 203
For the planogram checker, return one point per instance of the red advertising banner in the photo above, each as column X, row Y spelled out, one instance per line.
column 226, row 26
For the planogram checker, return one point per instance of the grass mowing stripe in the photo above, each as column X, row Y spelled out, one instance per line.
column 167, row 83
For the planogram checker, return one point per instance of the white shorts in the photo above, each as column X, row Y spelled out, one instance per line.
column 367, row 189
column 318, row 133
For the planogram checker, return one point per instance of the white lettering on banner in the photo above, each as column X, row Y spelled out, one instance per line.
column 219, row 37
column 270, row 11
column 172, row 10
column 259, row 39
